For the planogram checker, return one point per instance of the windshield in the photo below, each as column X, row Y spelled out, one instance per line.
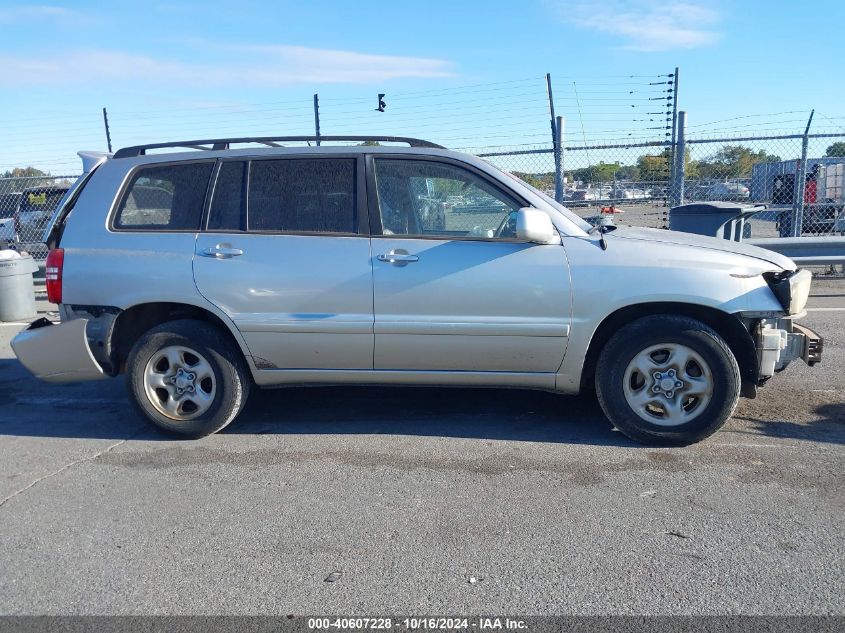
column 567, row 213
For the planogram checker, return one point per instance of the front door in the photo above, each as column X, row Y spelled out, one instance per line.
column 286, row 255
column 454, row 289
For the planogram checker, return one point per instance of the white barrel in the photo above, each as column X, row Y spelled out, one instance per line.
column 17, row 294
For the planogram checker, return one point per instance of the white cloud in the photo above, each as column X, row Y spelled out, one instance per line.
column 647, row 25
column 28, row 12
column 249, row 65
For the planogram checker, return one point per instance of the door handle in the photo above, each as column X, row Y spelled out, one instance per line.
column 221, row 251
column 398, row 257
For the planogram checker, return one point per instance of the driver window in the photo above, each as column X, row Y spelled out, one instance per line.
column 432, row 199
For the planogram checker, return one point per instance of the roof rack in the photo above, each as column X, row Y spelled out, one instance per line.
column 270, row 141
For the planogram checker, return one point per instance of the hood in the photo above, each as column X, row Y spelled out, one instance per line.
column 701, row 241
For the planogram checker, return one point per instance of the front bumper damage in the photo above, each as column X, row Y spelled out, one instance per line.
column 57, row 353
column 780, row 341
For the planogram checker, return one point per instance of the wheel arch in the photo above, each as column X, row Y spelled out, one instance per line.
column 132, row 322
column 728, row 326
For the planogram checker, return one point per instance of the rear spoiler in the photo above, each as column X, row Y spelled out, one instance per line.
column 90, row 162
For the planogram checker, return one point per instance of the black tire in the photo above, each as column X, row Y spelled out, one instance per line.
column 640, row 335
column 230, row 377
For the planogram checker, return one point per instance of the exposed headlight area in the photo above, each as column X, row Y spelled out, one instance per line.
column 791, row 287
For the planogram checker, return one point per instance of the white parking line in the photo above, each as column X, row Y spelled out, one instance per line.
column 747, row 445
column 825, row 309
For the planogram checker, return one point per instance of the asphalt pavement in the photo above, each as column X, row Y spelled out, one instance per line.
column 425, row 501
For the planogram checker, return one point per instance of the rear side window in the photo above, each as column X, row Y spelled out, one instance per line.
column 228, row 206
column 165, row 197
column 302, row 195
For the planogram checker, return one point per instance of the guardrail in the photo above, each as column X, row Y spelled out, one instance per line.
column 808, row 251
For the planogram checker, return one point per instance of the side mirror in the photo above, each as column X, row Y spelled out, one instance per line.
column 533, row 225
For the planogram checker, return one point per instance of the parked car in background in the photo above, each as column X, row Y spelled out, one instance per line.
column 729, row 191
column 203, row 274
column 719, row 191
column 629, row 193
column 8, row 207
column 34, row 211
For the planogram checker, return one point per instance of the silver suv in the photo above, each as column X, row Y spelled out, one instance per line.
column 202, row 274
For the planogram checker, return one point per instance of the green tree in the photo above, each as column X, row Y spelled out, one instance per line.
column 23, row 172
column 600, row 172
column 628, row 172
column 655, row 167
column 837, row 149
column 20, row 178
column 539, row 181
column 732, row 161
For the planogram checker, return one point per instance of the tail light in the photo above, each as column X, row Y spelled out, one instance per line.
column 18, row 224
column 55, row 263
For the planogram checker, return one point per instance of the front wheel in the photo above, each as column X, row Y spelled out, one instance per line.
column 187, row 378
column 667, row 379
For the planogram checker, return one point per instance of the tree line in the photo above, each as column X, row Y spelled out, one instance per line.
column 20, row 178
column 731, row 161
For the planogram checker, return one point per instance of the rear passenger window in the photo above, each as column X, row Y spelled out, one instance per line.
column 166, row 197
column 228, row 206
column 302, row 195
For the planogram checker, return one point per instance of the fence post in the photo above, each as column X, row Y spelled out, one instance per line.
column 800, row 177
column 676, row 193
column 555, row 136
column 558, row 145
column 317, row 117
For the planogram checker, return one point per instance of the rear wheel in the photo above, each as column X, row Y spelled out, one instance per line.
column 187, row 378
column 667, row 379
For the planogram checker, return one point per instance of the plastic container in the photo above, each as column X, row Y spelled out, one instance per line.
column 716, row 219
column 17, row 294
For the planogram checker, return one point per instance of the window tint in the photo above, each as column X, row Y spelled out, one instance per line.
column 302, row 195
column 228, row 207
column 169, row 197
column 431, row 199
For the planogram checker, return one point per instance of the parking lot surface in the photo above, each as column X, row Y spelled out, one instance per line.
column 426, row 501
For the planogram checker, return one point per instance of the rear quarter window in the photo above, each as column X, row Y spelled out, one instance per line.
column 164, row 198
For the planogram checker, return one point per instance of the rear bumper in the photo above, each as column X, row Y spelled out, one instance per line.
column 781, row 341
column 57, row 353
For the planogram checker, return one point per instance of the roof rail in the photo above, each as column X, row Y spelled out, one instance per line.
column 270, row 141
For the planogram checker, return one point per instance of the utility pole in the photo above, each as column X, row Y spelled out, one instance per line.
column 317, row 117
column 108, row 134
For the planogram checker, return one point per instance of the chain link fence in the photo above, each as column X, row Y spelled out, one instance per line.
column 797, row 184
column 797, row 178
column 26, row 205
column 632, row 181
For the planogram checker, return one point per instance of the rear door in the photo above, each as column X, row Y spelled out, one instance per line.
column 286, row 254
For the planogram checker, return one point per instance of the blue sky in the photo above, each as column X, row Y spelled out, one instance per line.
column 469, row 74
